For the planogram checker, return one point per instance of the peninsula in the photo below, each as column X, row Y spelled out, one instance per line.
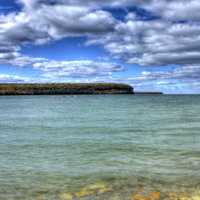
column 149, row 93
column 65, row 89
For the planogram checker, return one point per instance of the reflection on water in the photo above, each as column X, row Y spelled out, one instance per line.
column 100, row 147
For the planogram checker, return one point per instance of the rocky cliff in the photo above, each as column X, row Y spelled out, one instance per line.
column 65, row 88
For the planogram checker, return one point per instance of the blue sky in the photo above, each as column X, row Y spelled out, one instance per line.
column 151, row 45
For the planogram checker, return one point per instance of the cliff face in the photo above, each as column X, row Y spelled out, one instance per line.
column 56, row 89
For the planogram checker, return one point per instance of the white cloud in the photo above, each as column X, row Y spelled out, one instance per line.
column 89, row 3
column 151, row 42
column 80, row 68
column 53, row 22
column 154, row 43
column 44, row 23
column 175, row 10
column 6, row 78
column 173, row 38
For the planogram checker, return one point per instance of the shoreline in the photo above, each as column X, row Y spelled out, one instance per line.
column 65, row 89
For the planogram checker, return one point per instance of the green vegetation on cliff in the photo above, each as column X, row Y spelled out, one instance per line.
column 65, row 88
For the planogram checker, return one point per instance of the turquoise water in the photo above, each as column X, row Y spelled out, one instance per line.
column 52, row 147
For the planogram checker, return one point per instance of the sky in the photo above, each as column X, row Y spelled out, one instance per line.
column 152, row 45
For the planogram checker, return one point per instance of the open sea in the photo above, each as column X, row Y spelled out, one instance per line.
column 101, row 147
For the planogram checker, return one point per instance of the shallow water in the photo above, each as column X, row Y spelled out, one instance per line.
column 99, row 147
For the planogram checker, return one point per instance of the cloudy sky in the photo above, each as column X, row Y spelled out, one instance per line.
column 150, row 44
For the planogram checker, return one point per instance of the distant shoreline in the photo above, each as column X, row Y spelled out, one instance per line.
column 148, row 93
column 65, row 89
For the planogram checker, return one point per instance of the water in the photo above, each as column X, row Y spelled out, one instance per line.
column 99, row 147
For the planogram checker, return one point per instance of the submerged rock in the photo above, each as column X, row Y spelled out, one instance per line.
column 98, row 188
column 41, row 197
column 90, row 190
column 66, row 196
column 151, row 196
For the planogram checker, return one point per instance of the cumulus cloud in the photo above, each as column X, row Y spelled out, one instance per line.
column 175, row 10
column 91, row 3
column 50, row 22
column 53, row 68
column 54, row 22
column 138, row 41
column 6, row 78
column 171, row 38
column 80, row 68
column 16, row 59
column 154, row 43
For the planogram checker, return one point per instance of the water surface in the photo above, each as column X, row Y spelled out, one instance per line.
column 113, row 146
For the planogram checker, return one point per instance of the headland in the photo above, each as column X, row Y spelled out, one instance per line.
column 65, row 89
